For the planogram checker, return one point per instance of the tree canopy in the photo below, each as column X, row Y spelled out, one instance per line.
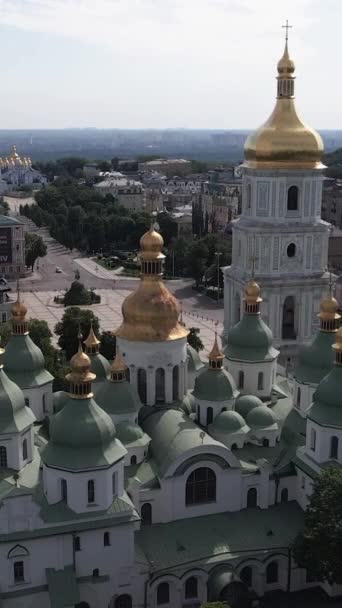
column 34, row 248
column 74, row 320
column 318, row 548
column 194, row 339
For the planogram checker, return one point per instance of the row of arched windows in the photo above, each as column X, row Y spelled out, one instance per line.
column 292, row 197
column 77, row 541
column 241, row 380
column 159, row 384
column 333, row 450
column 252, row 497
column 91, row 497
column 3, row 454
column 190, row 591
column 272, row 574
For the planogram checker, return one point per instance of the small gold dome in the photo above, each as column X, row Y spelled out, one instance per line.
column 252, row 291
column 216, row 354
column 18, row 310
column 80, row 362
column 151, row 241
column 118, row 365
column 284, row 141
column 329, row 305
column 91, row 341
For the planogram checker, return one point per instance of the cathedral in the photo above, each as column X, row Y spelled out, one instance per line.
column 16, row 171
column 160, row 480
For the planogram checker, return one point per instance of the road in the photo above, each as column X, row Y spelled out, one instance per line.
column 46, row 279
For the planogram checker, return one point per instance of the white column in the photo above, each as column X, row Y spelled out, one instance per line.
column 150, row 385
column 168, row 383
column 182, row 380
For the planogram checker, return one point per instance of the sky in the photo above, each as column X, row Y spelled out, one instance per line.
column 165, row 63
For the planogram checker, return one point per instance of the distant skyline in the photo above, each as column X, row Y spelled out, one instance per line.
column 165, row 63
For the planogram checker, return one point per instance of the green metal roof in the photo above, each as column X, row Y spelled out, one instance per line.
column 262, row 417
column 129, row 432
column 118, row 398
column 194, row 360
column 6, row 220
column 229, row 422
column 14, row 415
column 223, row 536
column 316, row 359
column 245, row 403
column 99, row 366
column 58, row 399
column 24, row 362
column 62, row 586
column 172, row 434
column 214, row 385
column 327, row 404
column 250, row 340
column 91, row 443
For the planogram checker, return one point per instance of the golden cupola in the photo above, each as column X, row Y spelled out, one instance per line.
column 328, row 315
column 80, row 377
column 18, row 312
column 215, row 356
column 252, row 297
column 284, row 141
column 151, row 312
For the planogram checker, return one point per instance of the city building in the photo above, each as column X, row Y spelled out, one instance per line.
column 128, row 192
column 166, row 166
column 12, row 247
column 280, row 234
column 17, row 171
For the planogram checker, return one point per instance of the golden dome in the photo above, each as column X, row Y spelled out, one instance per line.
column 329, row 306
column 80, row 369
column 18, row 309
column 215, row 354
column 91, row 342
column 151, row 312
column 252, row 292
column 284, row 141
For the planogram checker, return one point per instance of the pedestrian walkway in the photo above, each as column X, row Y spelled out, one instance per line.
column 41, row 306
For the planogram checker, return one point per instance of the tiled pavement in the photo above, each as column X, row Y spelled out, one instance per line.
column 41, row 306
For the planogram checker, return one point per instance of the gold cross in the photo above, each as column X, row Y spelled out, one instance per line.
column 287, row 27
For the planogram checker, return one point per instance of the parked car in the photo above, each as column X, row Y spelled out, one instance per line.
column 58, row 269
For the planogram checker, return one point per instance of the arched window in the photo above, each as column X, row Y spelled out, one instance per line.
column 3, row 457
column 142, row 385
column 288, row 324
column 291, row 250
column 246, row 576
column 114, row 484
column 27, row 402
column 260, row 381
column 334, row 447
column 175, row 383
column 210, row 415
column 77, row 543
column 106, row 539
column 252, row 497
column 134, row 459
column 44, row 404
column 146, row 514
column 272, row 573
column 298, row 397
column 18, row 572
column 96, row 573
column 266, row 443
column 234, row 446
column 160, row 385
column 198, row 413
column 91, row 491
column 64, row 490
column 292, row 198
column 313, row 439
column 191, row 588
column 284, row 496
column 123, row 601
column 200, row 487
column 163, row 593
column 25, row 449
column 249, row 196
column 241, row 379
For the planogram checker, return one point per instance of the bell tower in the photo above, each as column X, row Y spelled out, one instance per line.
column 280, row 231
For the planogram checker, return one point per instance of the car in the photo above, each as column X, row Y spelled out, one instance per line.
column 58, row 269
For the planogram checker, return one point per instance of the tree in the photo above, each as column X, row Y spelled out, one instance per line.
column 77, row 295
column 115, row 163
column 196, row 260
column 34, row 248
column 73, row 321
column 318, row 548
column 194, row 339
column 108, row 345
column 168, row 226
column 5, row 333
column 54, row 360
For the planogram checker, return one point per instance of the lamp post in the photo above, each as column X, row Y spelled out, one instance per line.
column 218, row 253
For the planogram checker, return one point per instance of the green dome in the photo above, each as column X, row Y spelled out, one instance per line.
column 128, row 432
column 82, row 436
column 316, row 359
column 58, row 399
column 118, row 398
column 327, row 405
column 214, row 385
column 99, row 366
column 194, row 360
column 261, row 418
column 229, row 422
column 250, row 340
column 24, row 362
column 245, row 403
column 14, row 415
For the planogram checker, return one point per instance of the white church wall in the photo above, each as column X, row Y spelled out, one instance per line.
column 39, row 399
column 251, row 376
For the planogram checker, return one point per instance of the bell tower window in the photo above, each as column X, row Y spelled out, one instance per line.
column 292, row 198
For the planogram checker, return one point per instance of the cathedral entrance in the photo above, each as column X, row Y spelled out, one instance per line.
column 288, row 324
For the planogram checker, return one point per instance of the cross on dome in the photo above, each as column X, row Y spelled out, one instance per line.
column 287, row 27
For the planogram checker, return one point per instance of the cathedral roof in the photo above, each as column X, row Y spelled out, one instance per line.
column 151, row 312
column 14, row 415
column 194, row 360
column 284, row 141
column 129, row 432
column 245, row 403
column 99, row 366
column 250, row 340
column 214, row 385
column 24, row 362
column 315, row 360
column 118, row 398
column 261, row 418
column 229, row 422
